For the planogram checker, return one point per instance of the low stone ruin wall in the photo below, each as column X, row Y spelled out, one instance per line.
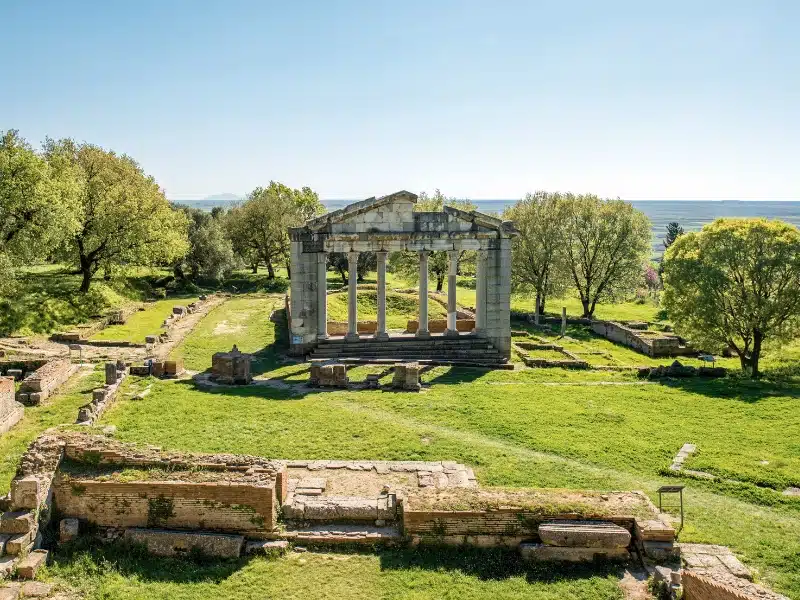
column 11, row 411
column 570, row 360
column 705, row 587
column 341, row 327
column 42, row 383
column 642, row 341
column 440, row 325
column 82, row 333
column 103, row 397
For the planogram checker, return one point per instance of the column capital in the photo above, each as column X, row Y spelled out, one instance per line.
column 423, row 253
column 382, row 252
column 353, row 255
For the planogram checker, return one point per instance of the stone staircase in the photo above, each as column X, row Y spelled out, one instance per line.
column 469, row 350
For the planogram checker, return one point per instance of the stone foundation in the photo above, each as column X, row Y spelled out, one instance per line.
column 406, row 376
column 182, row 543
column 11, row 411
column 652, row 343
column 42, row 383
column 231, row 367
column 328, row 374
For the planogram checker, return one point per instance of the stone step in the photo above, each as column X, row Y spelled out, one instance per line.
column 404, row 347
column 543, row 552
column 407, row 353
column 338, row 509
column 342, row 534
column 584, row 534
column 490, row 362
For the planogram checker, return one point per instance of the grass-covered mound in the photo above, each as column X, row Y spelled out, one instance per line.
column 400, row 308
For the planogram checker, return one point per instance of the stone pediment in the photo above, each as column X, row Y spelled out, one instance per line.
column 395, row 214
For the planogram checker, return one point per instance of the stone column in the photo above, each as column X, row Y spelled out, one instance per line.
column 380, row 332
column 480, row 293
column 322, row 295
column 352, row 297
column 422, row 330
column 452, row 273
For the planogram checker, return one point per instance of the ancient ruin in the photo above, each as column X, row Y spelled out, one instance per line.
column 390, row 224
column 231, row 367
column 11, row 411
column 39, row 385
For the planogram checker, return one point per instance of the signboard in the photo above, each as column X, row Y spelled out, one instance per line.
column 297, row 339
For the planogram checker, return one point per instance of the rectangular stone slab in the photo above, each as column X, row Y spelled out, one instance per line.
column 584, row 534
column 542, row 552
column 162, row 542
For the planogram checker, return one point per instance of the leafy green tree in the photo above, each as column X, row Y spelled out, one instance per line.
column 367, row 261
column 674, row 231
column 606, row 244
column 37, row 203
column 210, row 250
column 123, row 216
column 736, row 284
column 259, row 227
column 406, row 264
column 538, row 266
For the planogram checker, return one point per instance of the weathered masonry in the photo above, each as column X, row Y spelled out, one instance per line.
column 390, row 224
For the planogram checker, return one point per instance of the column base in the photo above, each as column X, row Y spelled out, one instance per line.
column 323, row 336
column 450, row 333
column 352, row 337
column 423, row 334
column 478, row 332
column 383, row 336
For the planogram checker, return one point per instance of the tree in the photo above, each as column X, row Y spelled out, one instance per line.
column 736, row 284
column 674, row 231
column 123, row 216
column 37, row 203
column 367, row 261
column 407, row 263
column 260, row 225
column 210, row 250
column 538, row 264
column 606, row 244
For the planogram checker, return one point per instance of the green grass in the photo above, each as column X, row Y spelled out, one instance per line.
column 400, row 308
column 60, row 408
column 243, row 321
column 142, row 323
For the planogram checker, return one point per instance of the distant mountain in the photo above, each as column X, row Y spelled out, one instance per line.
column 223, row 198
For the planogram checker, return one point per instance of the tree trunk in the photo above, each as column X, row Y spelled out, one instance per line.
column 270, row 271
column 439, row 282
column 755, row 355
column 177, row 271
column 288, row 270
column 343, row 275
column 254, row 268
column 86, row 271
column 587, row 312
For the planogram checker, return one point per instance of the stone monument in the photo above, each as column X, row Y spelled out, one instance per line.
column 231, row 367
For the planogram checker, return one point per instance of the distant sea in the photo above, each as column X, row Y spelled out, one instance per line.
column 691, row 214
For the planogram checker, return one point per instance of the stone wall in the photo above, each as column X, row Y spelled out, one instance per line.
column 340, row 327
column 10, row 410
column 702, row 587
column 218, row 506
column 652, row 344
column 42, row 383
column 440, row 325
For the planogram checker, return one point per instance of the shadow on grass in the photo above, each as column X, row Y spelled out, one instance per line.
column 489, row 564
column 89, row 560
column 739, row 387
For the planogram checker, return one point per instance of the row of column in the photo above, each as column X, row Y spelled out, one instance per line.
column 381, row 332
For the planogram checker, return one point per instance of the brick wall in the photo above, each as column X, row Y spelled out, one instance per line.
column 224, row 506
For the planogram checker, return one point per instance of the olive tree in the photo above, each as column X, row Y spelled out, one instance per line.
column 210, row 250
column 123, row 217
column 606, row 244
column 538, row 263
column 735, row 284
column 259, row 227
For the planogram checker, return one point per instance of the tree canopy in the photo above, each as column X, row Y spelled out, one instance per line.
column 735, row 284
column 674, row 231
column 607, row 242
column 210, row 252
column 122, row 215
column 407, row 263
column 260, row 225
column 538, row 262
column 37, row 204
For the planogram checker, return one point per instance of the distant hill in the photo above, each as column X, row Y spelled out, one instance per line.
column 223, row 198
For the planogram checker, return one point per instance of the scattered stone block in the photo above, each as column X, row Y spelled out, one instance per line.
column 36, row 398
column 151, row 340
column 173, row 368
column 161, row 542
column 18, row 543
column 179, row 310
column 15, row 374
column 11, row 591
column 27, row 492
column 157, row 368
column 584, row 534
column 266, row 547
column 36, row 589
column 231, row 367
column 328, row 374
column 372, row 382
column 17, row 522
column 406, row 376
column 111, row 373
column 140, row 370
column 30, row 565
column 543, row 552
column 68, row 530
column 313, row 482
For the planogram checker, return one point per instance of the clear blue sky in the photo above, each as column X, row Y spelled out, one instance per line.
column 490, row 99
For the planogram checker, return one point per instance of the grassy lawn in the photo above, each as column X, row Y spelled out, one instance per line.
column 400, row 308
column 144, row 322
column 60, row 408
column 515, row 428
